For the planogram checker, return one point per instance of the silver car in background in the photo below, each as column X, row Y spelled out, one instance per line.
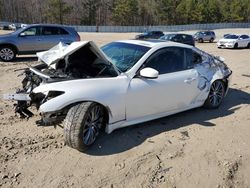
column 203, row 36
column 35, row 38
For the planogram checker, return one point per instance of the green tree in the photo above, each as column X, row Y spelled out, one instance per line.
column 124, row 12
column 189, row 12
column 167, row 11
column 210, row 11
column 236, row 8
column 57, row 10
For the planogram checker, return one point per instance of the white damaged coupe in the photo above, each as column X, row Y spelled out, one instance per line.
column 124, row 83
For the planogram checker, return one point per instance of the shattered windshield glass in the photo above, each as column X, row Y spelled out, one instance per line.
column 123, row 55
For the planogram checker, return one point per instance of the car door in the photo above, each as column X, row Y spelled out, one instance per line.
column 173, row 90
column 30, row 40
column 50, row 37
column 243, row 41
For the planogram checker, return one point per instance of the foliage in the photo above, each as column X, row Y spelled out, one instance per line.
column 56, row 10
column 125, row 12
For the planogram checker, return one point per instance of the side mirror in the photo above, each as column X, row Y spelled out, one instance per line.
column 22, row 35
column 149, row 73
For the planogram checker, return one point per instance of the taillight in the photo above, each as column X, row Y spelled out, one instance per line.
column 78, row 38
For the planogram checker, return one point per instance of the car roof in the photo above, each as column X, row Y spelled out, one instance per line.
column 155, row 43
column 178, row 34
column 49, row 25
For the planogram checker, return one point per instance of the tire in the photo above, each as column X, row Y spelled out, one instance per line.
column 248, row 45
column 216, row 95
column 211, row 40
column 83, row 124
column 235, row 45
column 200, row 40
column 7, row 53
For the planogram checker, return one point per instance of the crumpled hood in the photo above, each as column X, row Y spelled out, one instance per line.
column 62, row 50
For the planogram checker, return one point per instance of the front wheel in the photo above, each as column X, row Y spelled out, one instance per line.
column 248, row 45
column 82, row 125
column 211, row 40
column 216, row 94
column 236, row 46
column 200, row 40
column 7, row 53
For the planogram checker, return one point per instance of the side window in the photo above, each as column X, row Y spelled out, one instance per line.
column 31, row 31
column 178, row 38
column 189, row 38
column 192, row 58
column 50, row 31
column 63, row 31
column 244, row 36
column 168, row 60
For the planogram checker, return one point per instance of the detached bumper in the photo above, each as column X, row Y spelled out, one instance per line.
column 17, row 97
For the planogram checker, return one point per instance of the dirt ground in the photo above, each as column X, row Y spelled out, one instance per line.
column 197, row 148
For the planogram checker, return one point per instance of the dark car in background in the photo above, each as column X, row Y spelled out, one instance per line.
column 202, row 36
column 150, row 35
column 35, row 38
column 179, row 37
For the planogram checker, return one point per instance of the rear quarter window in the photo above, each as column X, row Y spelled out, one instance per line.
column 63, row 31
column 51, row 31
column 193, row 58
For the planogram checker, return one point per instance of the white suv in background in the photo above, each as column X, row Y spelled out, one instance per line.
column 234, row 41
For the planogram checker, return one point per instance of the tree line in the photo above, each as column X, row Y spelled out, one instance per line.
column 124, row 12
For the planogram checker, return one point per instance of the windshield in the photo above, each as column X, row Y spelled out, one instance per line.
column 231, row 36
column 19, row 30
column 123, row 55
column 199, row 33
column 167, row 37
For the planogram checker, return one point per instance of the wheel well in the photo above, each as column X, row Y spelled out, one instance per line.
column 10, row 45
column 225, row 82
column 106, row 109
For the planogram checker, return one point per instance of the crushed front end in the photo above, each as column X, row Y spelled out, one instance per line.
column 62, row 63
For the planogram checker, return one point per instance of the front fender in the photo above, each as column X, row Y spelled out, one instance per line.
column 109, row 92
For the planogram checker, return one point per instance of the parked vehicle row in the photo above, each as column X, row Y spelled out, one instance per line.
column 228, row 41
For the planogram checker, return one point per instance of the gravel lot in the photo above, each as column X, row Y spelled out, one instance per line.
column 197, row 148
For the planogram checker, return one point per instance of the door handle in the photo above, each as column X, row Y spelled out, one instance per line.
column 189, row 80
column 39, row 39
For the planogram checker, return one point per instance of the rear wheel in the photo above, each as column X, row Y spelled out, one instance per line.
column 211, row 40
column 7, row 53
column 82, row 125
column 216, row 95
